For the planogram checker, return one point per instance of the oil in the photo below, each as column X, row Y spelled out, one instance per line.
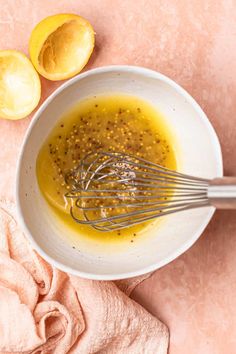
column 119, row 123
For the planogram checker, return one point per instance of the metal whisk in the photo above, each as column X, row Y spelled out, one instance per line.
column 111, row 191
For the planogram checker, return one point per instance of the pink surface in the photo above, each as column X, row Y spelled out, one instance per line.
column 193, row 42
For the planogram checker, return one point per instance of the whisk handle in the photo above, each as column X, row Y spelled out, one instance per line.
column 222, row 193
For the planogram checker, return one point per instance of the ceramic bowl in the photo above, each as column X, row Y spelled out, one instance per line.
column 199, row 154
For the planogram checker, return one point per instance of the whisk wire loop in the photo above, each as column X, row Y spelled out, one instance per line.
column 111, row 191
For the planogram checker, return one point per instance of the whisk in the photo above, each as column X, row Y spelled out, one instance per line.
column 112, row 191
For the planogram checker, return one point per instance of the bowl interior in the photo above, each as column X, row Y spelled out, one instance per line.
column 198, row 153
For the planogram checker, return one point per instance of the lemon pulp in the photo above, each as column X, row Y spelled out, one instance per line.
column 61, row 53
column 60, row 46
column 19, row 85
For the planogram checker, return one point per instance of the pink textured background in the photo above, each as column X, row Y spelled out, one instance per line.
column 193, row 42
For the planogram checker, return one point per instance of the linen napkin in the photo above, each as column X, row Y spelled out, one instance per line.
column 44, row 310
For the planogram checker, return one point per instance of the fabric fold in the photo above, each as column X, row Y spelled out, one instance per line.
column 46, row 311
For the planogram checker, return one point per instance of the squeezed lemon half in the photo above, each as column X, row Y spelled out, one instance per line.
column 20, row 87
column 61, row 45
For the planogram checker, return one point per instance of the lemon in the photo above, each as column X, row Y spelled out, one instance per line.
column 61, row 45
column 20, row 88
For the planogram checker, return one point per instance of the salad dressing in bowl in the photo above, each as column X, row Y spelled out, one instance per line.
column 119, row 123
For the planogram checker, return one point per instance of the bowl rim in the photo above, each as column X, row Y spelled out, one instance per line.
column 180, row 250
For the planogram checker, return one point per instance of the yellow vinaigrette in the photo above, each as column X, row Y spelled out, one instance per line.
column 106, row 123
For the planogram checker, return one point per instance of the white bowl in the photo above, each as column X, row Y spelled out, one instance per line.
column 199, row 154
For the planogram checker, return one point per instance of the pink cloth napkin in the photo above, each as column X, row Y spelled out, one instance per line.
column 43, row 310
